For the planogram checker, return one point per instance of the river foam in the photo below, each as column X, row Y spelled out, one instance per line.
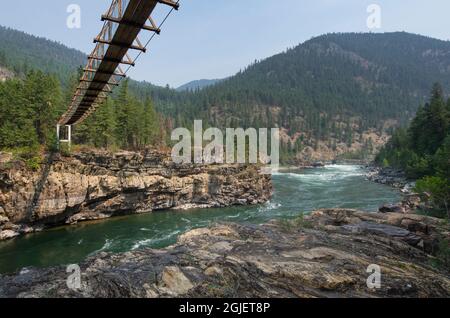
column 327, row 173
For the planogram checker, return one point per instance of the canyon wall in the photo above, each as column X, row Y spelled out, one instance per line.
column 92, row 186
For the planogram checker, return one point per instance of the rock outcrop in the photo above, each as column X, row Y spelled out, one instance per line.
column 389, row 176
column 327, row 254
column 5, row 74
column 397, row 179
column 91, row 186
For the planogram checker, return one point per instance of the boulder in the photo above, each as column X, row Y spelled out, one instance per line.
column 6, row 157
column 8, row 234
column 3, row 219
column 175, row 282
column 391, row 208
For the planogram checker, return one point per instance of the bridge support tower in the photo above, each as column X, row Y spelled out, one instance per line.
column 64, row 135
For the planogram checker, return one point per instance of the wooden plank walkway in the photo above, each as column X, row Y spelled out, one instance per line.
column 123, row 23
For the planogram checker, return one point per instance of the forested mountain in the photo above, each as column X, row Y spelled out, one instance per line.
column 199, row 84
column 21, row 52
column 336, row 94
column 331, row 88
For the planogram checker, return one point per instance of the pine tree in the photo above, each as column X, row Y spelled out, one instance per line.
column 422, row 150
column 441, row 160
column 44, row 96
column 103, row 126
column 151, row 124
column 16, row 123
column 3, row 61
column 437, row 126
column 121, row 106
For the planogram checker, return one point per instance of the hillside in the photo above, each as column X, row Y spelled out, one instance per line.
column 199, row 84
column 21, row 52
column 329, row 92
column 334, row 95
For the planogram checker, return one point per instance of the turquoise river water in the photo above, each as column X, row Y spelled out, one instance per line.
column 300, row 191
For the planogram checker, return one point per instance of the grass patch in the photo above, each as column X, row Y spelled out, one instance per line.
column 299, row 222
column 32, row 157
column 442, row 260
column 65, row 150
column 34, row 163
column 434, row 212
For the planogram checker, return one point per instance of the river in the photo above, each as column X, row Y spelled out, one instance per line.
column 339, row 186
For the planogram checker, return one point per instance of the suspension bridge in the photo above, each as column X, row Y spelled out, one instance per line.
column 123, row 23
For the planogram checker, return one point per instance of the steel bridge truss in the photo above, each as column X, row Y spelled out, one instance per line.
column 122, row 25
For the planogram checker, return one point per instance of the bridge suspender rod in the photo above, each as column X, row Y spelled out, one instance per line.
column 105, row 94
column 136, row 25
column 94, row 90
column 112, row 60
column 104, row 73
column 90, row 98
column 99, row 82
column 122, row 45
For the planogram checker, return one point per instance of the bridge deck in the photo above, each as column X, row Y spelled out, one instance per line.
column 124, row 21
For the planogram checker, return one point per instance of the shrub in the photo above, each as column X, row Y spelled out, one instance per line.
column 435, row 191
column 65, row 150
column 443, row 254
column 31, row 156
column 418, row 167
column 34, row 163
column 301, row 222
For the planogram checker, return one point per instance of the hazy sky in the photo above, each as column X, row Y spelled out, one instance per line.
column 216, row 38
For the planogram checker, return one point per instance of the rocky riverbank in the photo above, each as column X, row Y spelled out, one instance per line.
column 397, row 179
column 389, row 176
column 326, row 254
column 92, row 186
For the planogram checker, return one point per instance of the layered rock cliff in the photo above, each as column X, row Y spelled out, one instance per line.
column 331, row 253
column 90, row 186
column 5, row 74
